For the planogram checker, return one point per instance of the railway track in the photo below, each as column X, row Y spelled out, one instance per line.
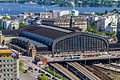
column 98, row 72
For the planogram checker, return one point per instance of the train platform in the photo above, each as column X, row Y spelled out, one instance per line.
column 115, row 64
column 65, row 71
column 83, row 71
column 107, row 67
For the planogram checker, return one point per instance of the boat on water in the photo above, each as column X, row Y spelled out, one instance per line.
column 46, row 9
column 43, row 6
column 8, row 9
column 30, row 2
column 2, row 9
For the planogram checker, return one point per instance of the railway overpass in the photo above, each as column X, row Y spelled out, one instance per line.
column 86, row 60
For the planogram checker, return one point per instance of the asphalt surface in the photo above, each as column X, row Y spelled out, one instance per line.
column 24, row 76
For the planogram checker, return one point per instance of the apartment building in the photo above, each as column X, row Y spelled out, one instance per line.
column 10, row 24
column 9, row 64
column 77, row 21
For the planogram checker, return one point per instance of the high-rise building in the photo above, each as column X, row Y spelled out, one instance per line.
column 9, row 64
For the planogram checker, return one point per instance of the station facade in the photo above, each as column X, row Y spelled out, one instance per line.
column 51, row 40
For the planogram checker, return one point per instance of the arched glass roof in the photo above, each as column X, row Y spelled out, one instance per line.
column 39, row 38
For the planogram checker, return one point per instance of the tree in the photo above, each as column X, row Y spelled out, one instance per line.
column 7, row 18
column 22, row 24
column 89, row 28
column 26, row 71
column 21, row 63
column 106, row 12
column 43, row 77
column 13, row 27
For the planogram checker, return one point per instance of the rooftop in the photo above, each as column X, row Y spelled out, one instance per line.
column 37, row 44
column 5, row 51
column 43, row 30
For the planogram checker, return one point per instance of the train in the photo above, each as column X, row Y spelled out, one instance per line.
column 72, row 58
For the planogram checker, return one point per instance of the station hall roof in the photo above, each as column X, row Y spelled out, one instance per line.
column 43, row 30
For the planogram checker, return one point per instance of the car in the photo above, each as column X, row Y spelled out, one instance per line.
column 53, row 78
column 42, row 72
column 30, row 68
column 48, row 75
column 39, row 71
column 35, row 69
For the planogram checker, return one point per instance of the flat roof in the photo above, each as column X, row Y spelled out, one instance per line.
column 5, row 51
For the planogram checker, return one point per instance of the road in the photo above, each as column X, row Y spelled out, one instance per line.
column 33, row 72
column 24, row 76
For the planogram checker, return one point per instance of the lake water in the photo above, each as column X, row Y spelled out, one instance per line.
column 15, row 8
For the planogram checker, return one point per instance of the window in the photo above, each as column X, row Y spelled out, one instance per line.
column 11, row 74
column 7, row 55
column 3, row 55
column 7, row 60
column 4, row 65
column 4, row 70
column 3, row 60
column 7, row 69
column 0, row 60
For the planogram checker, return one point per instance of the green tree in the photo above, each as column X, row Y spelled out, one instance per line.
column 106, row 12
column 43, row 77
column 21, row 63
column 22, row 24
column 89, row 28
column 26, row 71
column 7, row 18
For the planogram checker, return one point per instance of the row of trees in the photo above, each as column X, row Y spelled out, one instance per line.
column 94, row 30
column 21, row 24
column 20, row 67
column 78, row 3
column 43, row 77
column 56, row 74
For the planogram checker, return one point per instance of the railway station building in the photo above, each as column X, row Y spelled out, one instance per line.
column 48, row 40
